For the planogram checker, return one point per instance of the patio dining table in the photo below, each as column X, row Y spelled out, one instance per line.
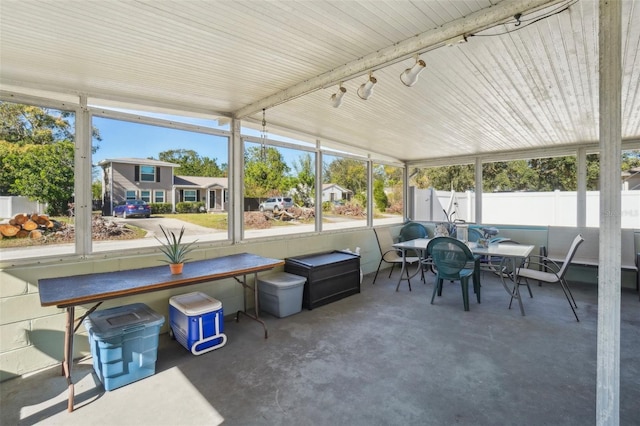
column 513, row 253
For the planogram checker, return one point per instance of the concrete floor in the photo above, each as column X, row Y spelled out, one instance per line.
column 376, row 358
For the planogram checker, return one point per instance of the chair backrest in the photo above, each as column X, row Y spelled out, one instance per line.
column 572, row 251
column 413, row 230
column 450, row 256
column 474, row 235
column 384, row 238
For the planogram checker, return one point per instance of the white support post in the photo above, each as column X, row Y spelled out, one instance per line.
column 235, row 214
column 318, row 200
column 478, row 172
column 82, row 188
column 370, row 203
column 581, row 195
column 609, row 274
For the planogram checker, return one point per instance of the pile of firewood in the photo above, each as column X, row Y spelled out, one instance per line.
column 26, row 226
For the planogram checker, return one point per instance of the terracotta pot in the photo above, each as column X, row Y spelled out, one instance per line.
column 176, row 268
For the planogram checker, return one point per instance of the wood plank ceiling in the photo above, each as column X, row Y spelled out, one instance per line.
column 513, row 86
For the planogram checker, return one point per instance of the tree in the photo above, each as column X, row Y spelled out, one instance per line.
column 348, row 173
column 265, row 172
column 305, row 181
column 379, row 197
column 192, row 164
column 27, row 124
column 540, row 174
column 37, row 154
column 43, row 173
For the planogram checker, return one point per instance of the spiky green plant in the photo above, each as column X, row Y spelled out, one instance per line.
column 172, row 247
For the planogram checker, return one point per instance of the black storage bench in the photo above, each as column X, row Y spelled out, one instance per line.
column 330, row 276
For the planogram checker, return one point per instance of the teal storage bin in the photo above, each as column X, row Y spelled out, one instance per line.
column 124, row 343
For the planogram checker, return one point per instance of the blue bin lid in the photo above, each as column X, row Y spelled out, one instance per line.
column 122, row 319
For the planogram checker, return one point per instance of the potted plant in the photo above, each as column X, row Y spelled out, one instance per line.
column 175, row 251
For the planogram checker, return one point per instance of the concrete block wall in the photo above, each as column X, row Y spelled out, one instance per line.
column 32, row 336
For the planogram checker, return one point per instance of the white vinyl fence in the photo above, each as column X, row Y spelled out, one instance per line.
column 10, row 206
column 520, row 208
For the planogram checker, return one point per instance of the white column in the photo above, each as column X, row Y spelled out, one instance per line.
column 581, row 199
column 318, row 200
column 235, row 215
column 478, row 172
column 82, row 186
column 608, row 353
column 370, row 203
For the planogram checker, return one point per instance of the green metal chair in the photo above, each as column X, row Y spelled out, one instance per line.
column 452, row 258
column 411, row 231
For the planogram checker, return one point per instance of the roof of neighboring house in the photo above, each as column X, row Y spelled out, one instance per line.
column 326, row 186
column 200, row 181
column 142, row 161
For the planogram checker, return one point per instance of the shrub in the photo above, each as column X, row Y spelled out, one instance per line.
column 190, row 207
column 160, row 208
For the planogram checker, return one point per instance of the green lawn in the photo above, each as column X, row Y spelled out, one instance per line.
column 210, row 220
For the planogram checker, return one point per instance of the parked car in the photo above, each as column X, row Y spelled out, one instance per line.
column 132, row 208
column 276, row 204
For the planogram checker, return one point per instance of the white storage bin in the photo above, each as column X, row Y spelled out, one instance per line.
column 280, row 293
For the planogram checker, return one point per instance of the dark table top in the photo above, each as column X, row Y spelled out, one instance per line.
column 80, row 289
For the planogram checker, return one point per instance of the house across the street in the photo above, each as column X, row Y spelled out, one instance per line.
column 154, row 182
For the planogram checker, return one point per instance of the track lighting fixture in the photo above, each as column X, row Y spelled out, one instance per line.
column 366, row 89
column 410, row 75
column 336, row 98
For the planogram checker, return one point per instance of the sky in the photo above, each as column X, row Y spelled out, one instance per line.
column 125, row 139
column 134, row 140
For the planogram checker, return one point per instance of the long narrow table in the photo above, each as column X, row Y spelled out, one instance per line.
column 69, row 292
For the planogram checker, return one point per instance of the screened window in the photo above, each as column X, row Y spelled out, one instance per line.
column 286, row 173
column 344, row 192
column 145, row 195
column 388, row 190
column 158, row 197
column 130, row 194
column 190, row 195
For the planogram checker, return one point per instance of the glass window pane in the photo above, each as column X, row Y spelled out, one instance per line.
column 344, row 192
column 37, row 178
column 279, row 192
column 180, row 175
column 147, row 173
column 388, row 201
column 158, row 196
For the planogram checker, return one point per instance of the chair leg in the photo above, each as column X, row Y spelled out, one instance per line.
column 465, row 292
column 565, row 289
column 528, row 287
column 377, row 270
column 566, row 285
column 408, row 279
column 476, row 288
column 437, row 284
column 393, row 265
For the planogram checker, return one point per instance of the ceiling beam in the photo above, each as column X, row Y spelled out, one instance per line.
column 420, row 43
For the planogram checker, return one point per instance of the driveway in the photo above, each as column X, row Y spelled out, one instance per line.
column 152, row 226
